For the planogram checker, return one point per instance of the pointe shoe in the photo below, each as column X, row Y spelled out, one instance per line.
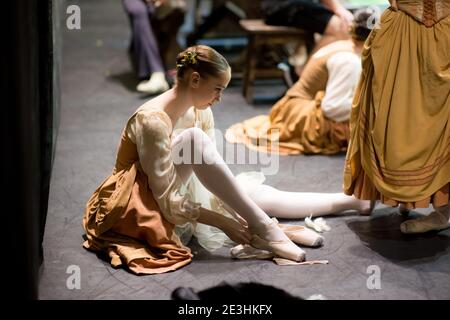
column 156, row 84
column 432, row 222
column 284, row 248
column 302, row 235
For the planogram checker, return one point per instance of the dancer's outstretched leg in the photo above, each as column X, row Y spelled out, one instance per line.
column 297, row 205
column 200, row 156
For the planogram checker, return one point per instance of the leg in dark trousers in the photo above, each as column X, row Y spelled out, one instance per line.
column 145, row 46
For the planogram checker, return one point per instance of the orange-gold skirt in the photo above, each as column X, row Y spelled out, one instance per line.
column 399, row 150
column 294, row 126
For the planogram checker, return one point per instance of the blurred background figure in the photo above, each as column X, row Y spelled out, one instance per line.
column 154, row 26
column 328, row 18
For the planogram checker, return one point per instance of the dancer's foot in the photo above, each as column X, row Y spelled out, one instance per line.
column 365, row 207
column 270, row 237
column 435, row 221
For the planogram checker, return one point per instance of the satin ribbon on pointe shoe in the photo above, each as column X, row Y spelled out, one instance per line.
column 243, row 251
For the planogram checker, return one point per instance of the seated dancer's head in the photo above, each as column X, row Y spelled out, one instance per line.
column 205, row 73
column 365, row 20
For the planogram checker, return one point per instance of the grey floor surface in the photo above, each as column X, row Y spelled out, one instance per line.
column 97, row 98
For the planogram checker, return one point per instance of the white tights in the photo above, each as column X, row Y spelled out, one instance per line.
column 215, row 175
column 296, row 205
column 256, row 206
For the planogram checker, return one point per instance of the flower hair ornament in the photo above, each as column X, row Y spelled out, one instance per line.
column 189, row 59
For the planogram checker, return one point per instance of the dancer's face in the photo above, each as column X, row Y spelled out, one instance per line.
column 208, row 90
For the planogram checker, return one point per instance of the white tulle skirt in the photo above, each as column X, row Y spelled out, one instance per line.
column 209, row 237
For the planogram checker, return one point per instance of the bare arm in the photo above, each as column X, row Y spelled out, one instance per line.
column 332, row 5
column 338, row 9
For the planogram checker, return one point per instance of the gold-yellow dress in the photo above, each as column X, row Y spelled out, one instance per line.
column 399, row 148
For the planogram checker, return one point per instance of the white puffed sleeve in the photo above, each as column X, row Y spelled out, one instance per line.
column 207, row 123
column 151, row 131
column 344, row 69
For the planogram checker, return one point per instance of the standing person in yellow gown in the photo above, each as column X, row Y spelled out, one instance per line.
column 312, row 117
column 399, row 150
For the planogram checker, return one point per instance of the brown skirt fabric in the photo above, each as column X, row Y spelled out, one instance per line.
column 123, row 220
column 294, row 126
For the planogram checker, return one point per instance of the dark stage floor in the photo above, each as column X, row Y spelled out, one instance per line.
column 97, row 98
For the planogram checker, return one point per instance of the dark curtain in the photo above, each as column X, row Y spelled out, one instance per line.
column 28, row 106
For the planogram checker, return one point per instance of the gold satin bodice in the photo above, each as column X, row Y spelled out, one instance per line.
column 428, row 12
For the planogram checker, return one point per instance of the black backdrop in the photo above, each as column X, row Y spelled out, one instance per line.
column 30, row 101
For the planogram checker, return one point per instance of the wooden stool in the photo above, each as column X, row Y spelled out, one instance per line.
column 259, row 33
